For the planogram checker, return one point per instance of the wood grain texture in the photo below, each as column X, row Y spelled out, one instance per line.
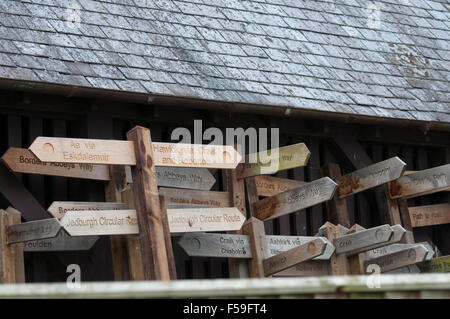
column 274, row 160
column 195, row 197
column 59, row 209
column 145, row 191
column 295, row 199
column 267, row 185
column 423, row 182
column 294, row 256
column 181, row 177
column 429, row 215
column 39, row 229
column 337, row 209
column 364, row 238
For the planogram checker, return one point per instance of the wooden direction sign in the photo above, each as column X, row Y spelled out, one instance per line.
column 421, row 183
column 195, row 197
column 274, row 160
column 111, row 152
column 304, row 196
column 294, row 256
column 440, row 264
column 181, row 177
column 398, row 233
column 205, row 219
column 370, row 176
column 410, row 269
column 389, row 249
column 122, row 222
column 398, row 259
column 59, row 209
column 365, row 238
column 39, row 229
column 62, row 242
column 238, row 246
column 267, row 185
column 306, row 268
column 429, row 215
column 21, row 160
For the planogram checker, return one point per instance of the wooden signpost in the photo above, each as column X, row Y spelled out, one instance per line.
column 238, row 246
column 295, row 199
column 39, row 229
column 59, row 209
column 421, row 183
column 113, row 152
column 181, row 177
column 22, row 160
column 283, row 158
column 400, row 258
column 294, row 256
column 370, row 176
column 267, row 185
column 354, row 242
column 195, row 197
column 385, row 250
column 122, row 222
column 62, row 242
column 429, row 215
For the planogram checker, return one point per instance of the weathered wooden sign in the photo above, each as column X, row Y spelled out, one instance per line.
column 385, row 250
column 421, row 183
column 94, row 151
column 440, row 264
column 100, row 222
column 238, row 246
column 410, row 269
column 294, row 256
column 398, row 233
column 205, row 219
column 122, row 222
column 59, row 209
column 267, row 185
column 365, row 238
column 39, row 229
column 370, row 176
column 62, row 242
column 307, row 195
column 398, row 259
column 429, row 215
column 274, row 160
column 181, row 177
column 21, row 160
column 195, row 197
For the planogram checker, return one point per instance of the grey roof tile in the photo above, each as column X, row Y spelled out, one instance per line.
column 314, row 55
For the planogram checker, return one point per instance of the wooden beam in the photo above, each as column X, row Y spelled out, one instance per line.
column 254, row 228
column 168, row 239
column 145, row 190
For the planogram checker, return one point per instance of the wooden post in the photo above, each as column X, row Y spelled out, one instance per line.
column 254, row 228
column 355, row 262
column 336, row 207
column 11, row 256
column 168, row 239
column 237, row 268
column 118, row 243
column 338, row 263
column 145, row 190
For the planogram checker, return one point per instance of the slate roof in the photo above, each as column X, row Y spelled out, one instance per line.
column 329, row 55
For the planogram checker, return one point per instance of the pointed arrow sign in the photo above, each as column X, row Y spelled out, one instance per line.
column 364, row 238
column 195, row 197
column 93, row 151
column 39, row 229
column 307, row 195
column 238, row 246
column 424, row 182
column 267, row 185
column 294, row 256
column 22, row 160
column 389, row 249
column 122, row 222
column 274, row 160
column 59, row 209
column 62, row 242
column 191, row 178
column 370, row 176
column 429, row 215
column 398, row 259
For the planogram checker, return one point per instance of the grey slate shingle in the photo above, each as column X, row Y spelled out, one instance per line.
column 308, row 54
